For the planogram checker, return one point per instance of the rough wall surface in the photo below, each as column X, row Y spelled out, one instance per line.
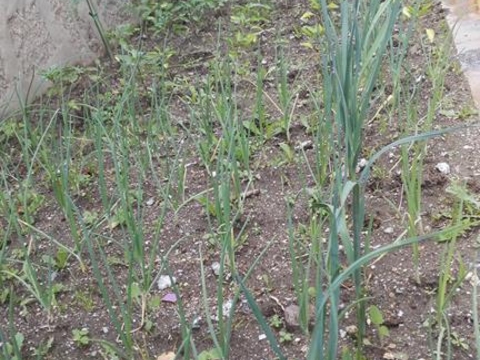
column 464, row 20
column 38, row 34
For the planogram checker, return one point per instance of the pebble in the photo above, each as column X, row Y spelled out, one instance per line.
column 291, row 314
column 361, row 165
column 53, row 276
column 305, row 145
column 216, row 268
column 388, row 230
column 472, row 278
column 352, row 330
column 443, row 167
column 165, row 281
column 170, row 298
column 196, row 323
column 226, row 307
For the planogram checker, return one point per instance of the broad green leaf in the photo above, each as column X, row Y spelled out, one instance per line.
column 287, row 150
column 375, row 315
column 332, row 6
column 407, row 12
column 307, row 15
column 383, row 331
column 314, row 4
column 463, row 194
column 307, row 44
column 212, row 354
column 135, row 291
column 62, row 257
column 19, row 339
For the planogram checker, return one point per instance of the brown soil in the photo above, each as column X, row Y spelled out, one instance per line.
column 390, row 281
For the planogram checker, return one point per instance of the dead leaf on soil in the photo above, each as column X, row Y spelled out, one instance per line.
column 395, row 356
column 166, row 356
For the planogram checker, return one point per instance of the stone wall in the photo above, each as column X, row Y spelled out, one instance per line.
column 38, row 34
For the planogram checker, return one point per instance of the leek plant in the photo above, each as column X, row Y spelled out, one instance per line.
column 352, row 57
column 413, row 155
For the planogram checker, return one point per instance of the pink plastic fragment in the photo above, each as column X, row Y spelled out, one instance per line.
column 170, row 298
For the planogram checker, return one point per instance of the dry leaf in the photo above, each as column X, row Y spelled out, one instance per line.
column 430, row 34
column 166, row 356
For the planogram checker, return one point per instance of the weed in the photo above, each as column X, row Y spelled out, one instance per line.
column 126, row 173
column 12, row 349
column 250, row 19
column 163, row 14
column 59, row 262
column 63, row 75
column 81, row 337
column 85, row 300
column 276, row 321
column 459, row 341
column 376, row 317
column 285, row 336
column 43, row 348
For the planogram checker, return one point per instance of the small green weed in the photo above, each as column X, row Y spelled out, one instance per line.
column 42, row 350
column 85, row 299
column 249, row 19
column 276, row 321
column 81, row 337
column 285, row 336
column 376, row 317
column 59, row 261
column 211, row 354
column 459, row 341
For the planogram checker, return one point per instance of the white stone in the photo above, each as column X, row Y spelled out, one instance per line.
column 226, row 307
column 361, row 164
column 165, row 281
column 216, row 268
column 388, row 230
column 443, row 167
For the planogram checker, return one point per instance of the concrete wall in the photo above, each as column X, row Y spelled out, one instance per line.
column 38, row 34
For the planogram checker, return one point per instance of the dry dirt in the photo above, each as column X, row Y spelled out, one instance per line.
column 406, row 304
